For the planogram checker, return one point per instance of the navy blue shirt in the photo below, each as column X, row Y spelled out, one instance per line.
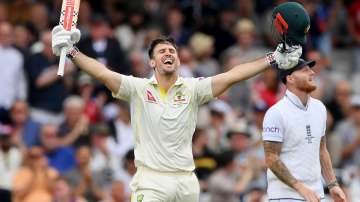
column 51, row 97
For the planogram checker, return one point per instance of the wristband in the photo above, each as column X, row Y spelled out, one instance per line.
column 270, row 59
column 332, row 184
column 73, row 51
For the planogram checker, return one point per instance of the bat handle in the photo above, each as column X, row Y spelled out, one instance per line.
column 62, row 62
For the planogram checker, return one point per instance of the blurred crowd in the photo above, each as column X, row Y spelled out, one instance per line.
column 65, row 139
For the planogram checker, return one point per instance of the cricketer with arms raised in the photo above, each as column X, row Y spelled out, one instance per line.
column 164, row 111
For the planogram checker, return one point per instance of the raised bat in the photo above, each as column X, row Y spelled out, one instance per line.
column 68, row 19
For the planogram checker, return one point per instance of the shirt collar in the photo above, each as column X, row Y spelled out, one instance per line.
column 294, row 99
column 179, row 81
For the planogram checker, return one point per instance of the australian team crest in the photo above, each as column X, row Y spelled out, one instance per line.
column 179, row 97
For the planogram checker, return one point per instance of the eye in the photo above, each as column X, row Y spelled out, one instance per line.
column 162, row 51
column 172, row 50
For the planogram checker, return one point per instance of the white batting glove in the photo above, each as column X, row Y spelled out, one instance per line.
column 289, row 58
column 62, row 38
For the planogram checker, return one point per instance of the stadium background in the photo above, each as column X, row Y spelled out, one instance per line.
column 72, row 128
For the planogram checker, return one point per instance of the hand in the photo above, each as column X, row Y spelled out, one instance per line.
column 289, row 58
column 308, row 194
column 337, row 194
column 62, row 38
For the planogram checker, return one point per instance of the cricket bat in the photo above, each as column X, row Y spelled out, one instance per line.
column 68, row 19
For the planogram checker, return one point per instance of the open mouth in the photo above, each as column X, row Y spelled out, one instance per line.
column 168, row 60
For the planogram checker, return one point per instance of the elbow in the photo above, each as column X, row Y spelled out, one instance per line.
column 269, row 160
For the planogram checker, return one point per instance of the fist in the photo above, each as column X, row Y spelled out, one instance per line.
column 61, row 38
column 288, row 58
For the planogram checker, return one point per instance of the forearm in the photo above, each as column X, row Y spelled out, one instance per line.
column 47, row 77
column 282, row 172
column 222, row 82
column 273, row 162
column 326, row 165
column 99, row 71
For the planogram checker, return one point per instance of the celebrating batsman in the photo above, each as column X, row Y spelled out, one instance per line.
column 164, row 111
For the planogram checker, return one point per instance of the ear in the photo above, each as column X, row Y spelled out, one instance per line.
column 152, row 63
column 289, row 78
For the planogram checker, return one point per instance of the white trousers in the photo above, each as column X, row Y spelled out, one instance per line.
column 153, row 186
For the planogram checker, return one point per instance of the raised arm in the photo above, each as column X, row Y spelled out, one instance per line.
column 62, row 38
column 223, row 81
column 110, row 79
column 284, row 60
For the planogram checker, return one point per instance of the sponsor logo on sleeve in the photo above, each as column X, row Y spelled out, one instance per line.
column 271, row 129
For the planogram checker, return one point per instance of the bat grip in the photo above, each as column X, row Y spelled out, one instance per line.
column 62, row 62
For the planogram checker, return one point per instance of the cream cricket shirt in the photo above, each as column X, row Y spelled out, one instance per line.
column 163, row 129
column 300, row 129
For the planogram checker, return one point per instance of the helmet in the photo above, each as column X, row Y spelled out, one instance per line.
column 292, row 21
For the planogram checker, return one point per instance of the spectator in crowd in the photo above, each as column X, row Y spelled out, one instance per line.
column 217, row 128
column 35, row 179
column 10, row 161
column 245, row 47
column 174, row 26
column 229, row 181
column 121, row 131
column 46, row 90
column 103, row 47
column 82, row 179
column 75, row 127
column 187, row 62
column 267, row 89
column 92, row 107
column 60, row 157
column 25, row 128
column 124, row 175
column 12, row 78
column 103, row 160
column 39, row 17
column 63, row 192
column 205, row 160
column 349, row 133
column 138, row 67
column 339, row 106
column 202, row 46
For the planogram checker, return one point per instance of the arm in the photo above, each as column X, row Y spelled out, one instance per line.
column 273, row 162
column 327, row 171
column 110, row 79
column 325, row 161
column 349, row 150
column 223, row 81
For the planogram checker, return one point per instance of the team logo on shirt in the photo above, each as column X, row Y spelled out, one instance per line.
column 150, row 97
column 179, row 97
column 309, row 137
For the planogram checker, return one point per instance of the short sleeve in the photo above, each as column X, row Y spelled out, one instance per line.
column 126, row 89
column 273, row 127
column 203, row 90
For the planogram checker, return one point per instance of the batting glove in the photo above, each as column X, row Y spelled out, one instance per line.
column 62, row 38
column 286, row 59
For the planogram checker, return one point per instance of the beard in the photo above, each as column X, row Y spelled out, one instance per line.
column 306, row 86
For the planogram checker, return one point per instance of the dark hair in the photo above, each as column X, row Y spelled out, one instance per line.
column 160, row 40
column 225, row 158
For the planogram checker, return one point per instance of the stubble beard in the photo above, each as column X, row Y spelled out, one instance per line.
column 306, row 86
